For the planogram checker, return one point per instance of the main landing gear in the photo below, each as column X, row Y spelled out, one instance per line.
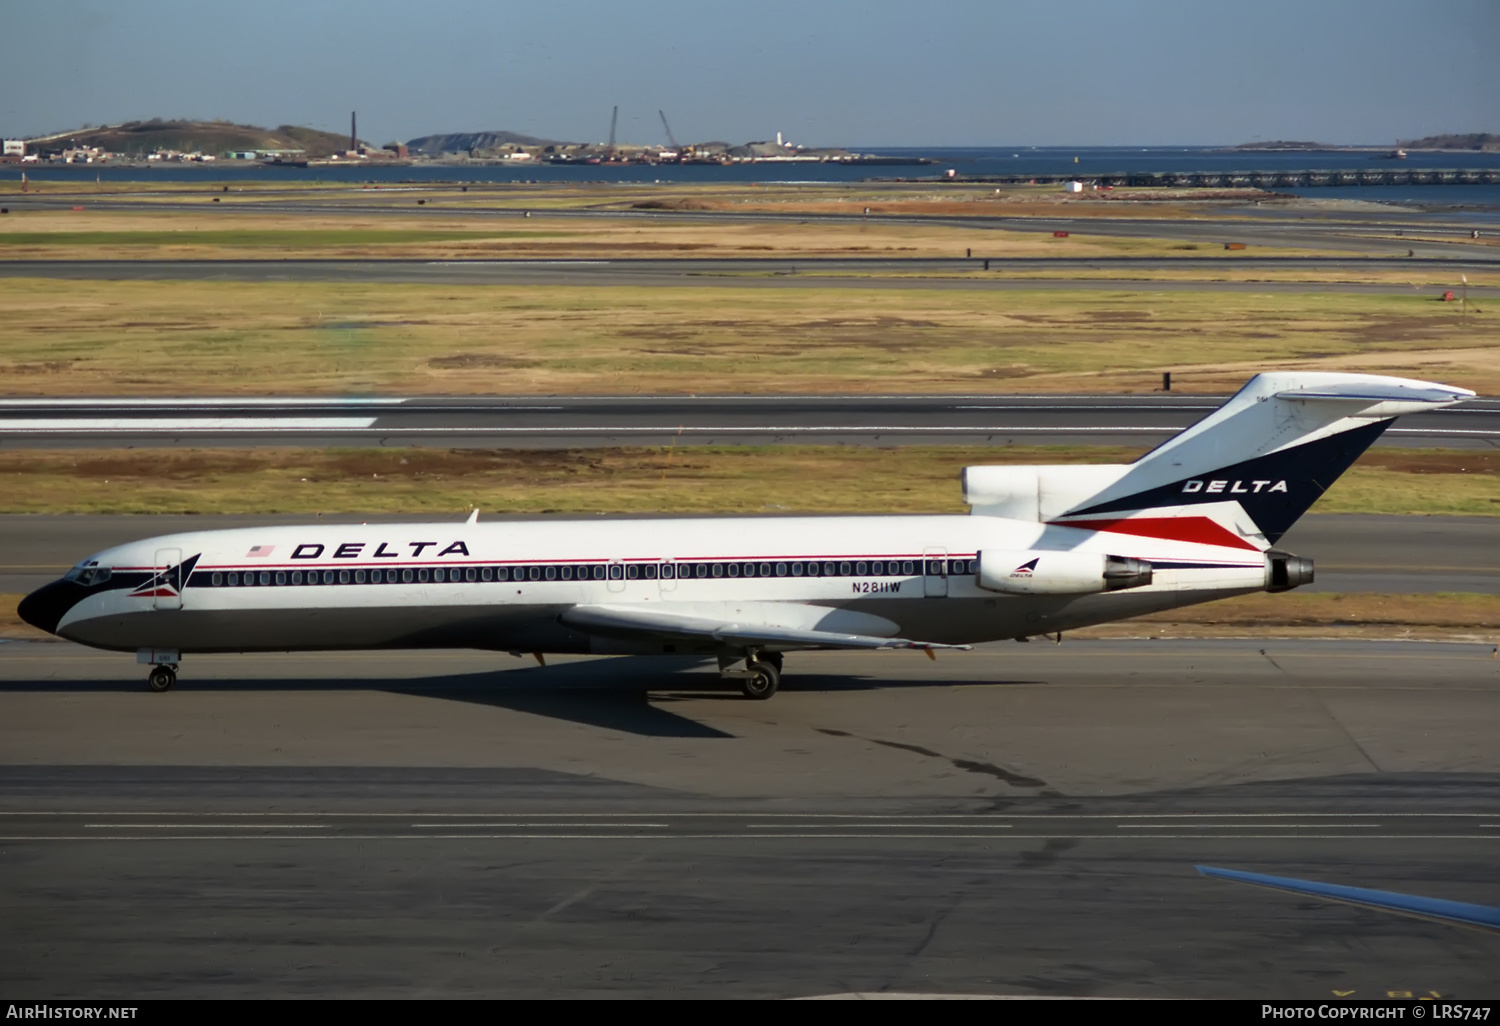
column 162, row 678
column 760, row 677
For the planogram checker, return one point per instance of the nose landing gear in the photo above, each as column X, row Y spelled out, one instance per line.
column 162, row 678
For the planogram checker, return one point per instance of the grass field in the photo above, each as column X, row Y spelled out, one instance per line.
column 140, row 337
column 813, row 479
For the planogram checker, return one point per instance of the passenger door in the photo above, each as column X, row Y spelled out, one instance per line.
column 169, row 569
column 935, row 573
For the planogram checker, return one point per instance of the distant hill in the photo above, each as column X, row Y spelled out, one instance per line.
column 1281, row 144
column 1472, row 141
column 464, row 142
column 204, row 136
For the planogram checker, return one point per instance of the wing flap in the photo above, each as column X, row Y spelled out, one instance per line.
column 632, row 623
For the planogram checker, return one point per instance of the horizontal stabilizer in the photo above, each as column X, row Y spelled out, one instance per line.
column 637, row 624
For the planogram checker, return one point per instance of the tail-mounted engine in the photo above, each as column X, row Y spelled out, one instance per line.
column 1059, row 573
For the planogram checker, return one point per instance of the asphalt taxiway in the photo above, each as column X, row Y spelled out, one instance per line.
column 1021, row 819
column 579, row 421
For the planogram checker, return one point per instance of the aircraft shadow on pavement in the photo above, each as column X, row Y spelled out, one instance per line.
column 626, row 693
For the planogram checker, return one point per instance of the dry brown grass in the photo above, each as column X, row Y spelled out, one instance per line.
column 1322, row 614
column 82, row 337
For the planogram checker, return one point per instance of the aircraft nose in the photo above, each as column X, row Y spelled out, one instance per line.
column 45, row 607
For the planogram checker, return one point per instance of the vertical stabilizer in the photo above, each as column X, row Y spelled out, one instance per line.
column 1241, row 476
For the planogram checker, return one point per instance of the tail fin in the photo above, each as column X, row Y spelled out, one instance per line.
column 1240, row 477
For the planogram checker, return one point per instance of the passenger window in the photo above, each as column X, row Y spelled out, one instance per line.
column 616, row 572
column 780, row 569
column 470, row 574
column 877, row 568
column 265, row 577
column 567, row 573
column 551, row 573
column 343, row 577
column 406, row 576
column 598, row 573
column 908, row 567
column 650, row 571
column 860, row 568
column 829, row 570
column 359, row 577
column 796, row 569
column 296, row 576
column 327, row 576
column 423, row 575
column 632, row 572
column 718, row 570
column 700, row 570
column 217, row 580
column 280, row 577
column 487, row 574
column 668, row 571
column 812, row 569
column 535, row 573
column 734, row 569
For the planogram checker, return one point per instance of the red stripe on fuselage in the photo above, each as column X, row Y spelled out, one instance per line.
column 1198, row 530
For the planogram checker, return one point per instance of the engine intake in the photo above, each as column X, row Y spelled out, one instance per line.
column 1059, row 573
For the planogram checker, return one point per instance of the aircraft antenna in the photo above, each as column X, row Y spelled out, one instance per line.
column 614, row 117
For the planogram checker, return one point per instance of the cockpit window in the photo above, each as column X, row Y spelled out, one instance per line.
column 88, row 574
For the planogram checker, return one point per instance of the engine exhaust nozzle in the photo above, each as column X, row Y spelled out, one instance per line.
column 1285, row 571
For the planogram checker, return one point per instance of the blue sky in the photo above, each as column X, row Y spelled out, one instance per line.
column 941, row 72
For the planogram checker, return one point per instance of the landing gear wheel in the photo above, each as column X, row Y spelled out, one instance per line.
column 162, row 678
column 763, row 680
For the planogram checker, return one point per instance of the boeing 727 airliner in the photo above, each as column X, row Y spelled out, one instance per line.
column 1045, row 549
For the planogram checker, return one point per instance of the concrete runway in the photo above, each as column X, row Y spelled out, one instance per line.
column 1021, row 819
column 580, row 421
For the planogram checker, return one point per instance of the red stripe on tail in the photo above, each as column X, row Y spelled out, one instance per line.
column 1198, row 530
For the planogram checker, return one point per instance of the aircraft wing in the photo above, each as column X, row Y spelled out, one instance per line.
column 632, row 623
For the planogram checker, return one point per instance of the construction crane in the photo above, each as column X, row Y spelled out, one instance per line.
column 670, row 138
column 613, row 119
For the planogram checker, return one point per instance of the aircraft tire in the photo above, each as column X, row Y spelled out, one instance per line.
column 763, row 681
column 161, row 679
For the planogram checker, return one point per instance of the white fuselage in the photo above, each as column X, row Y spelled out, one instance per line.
column 503, row 584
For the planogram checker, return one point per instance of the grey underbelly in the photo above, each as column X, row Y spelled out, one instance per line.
column 951, row 620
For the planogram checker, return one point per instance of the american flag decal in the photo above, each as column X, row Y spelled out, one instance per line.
column 260, row 551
